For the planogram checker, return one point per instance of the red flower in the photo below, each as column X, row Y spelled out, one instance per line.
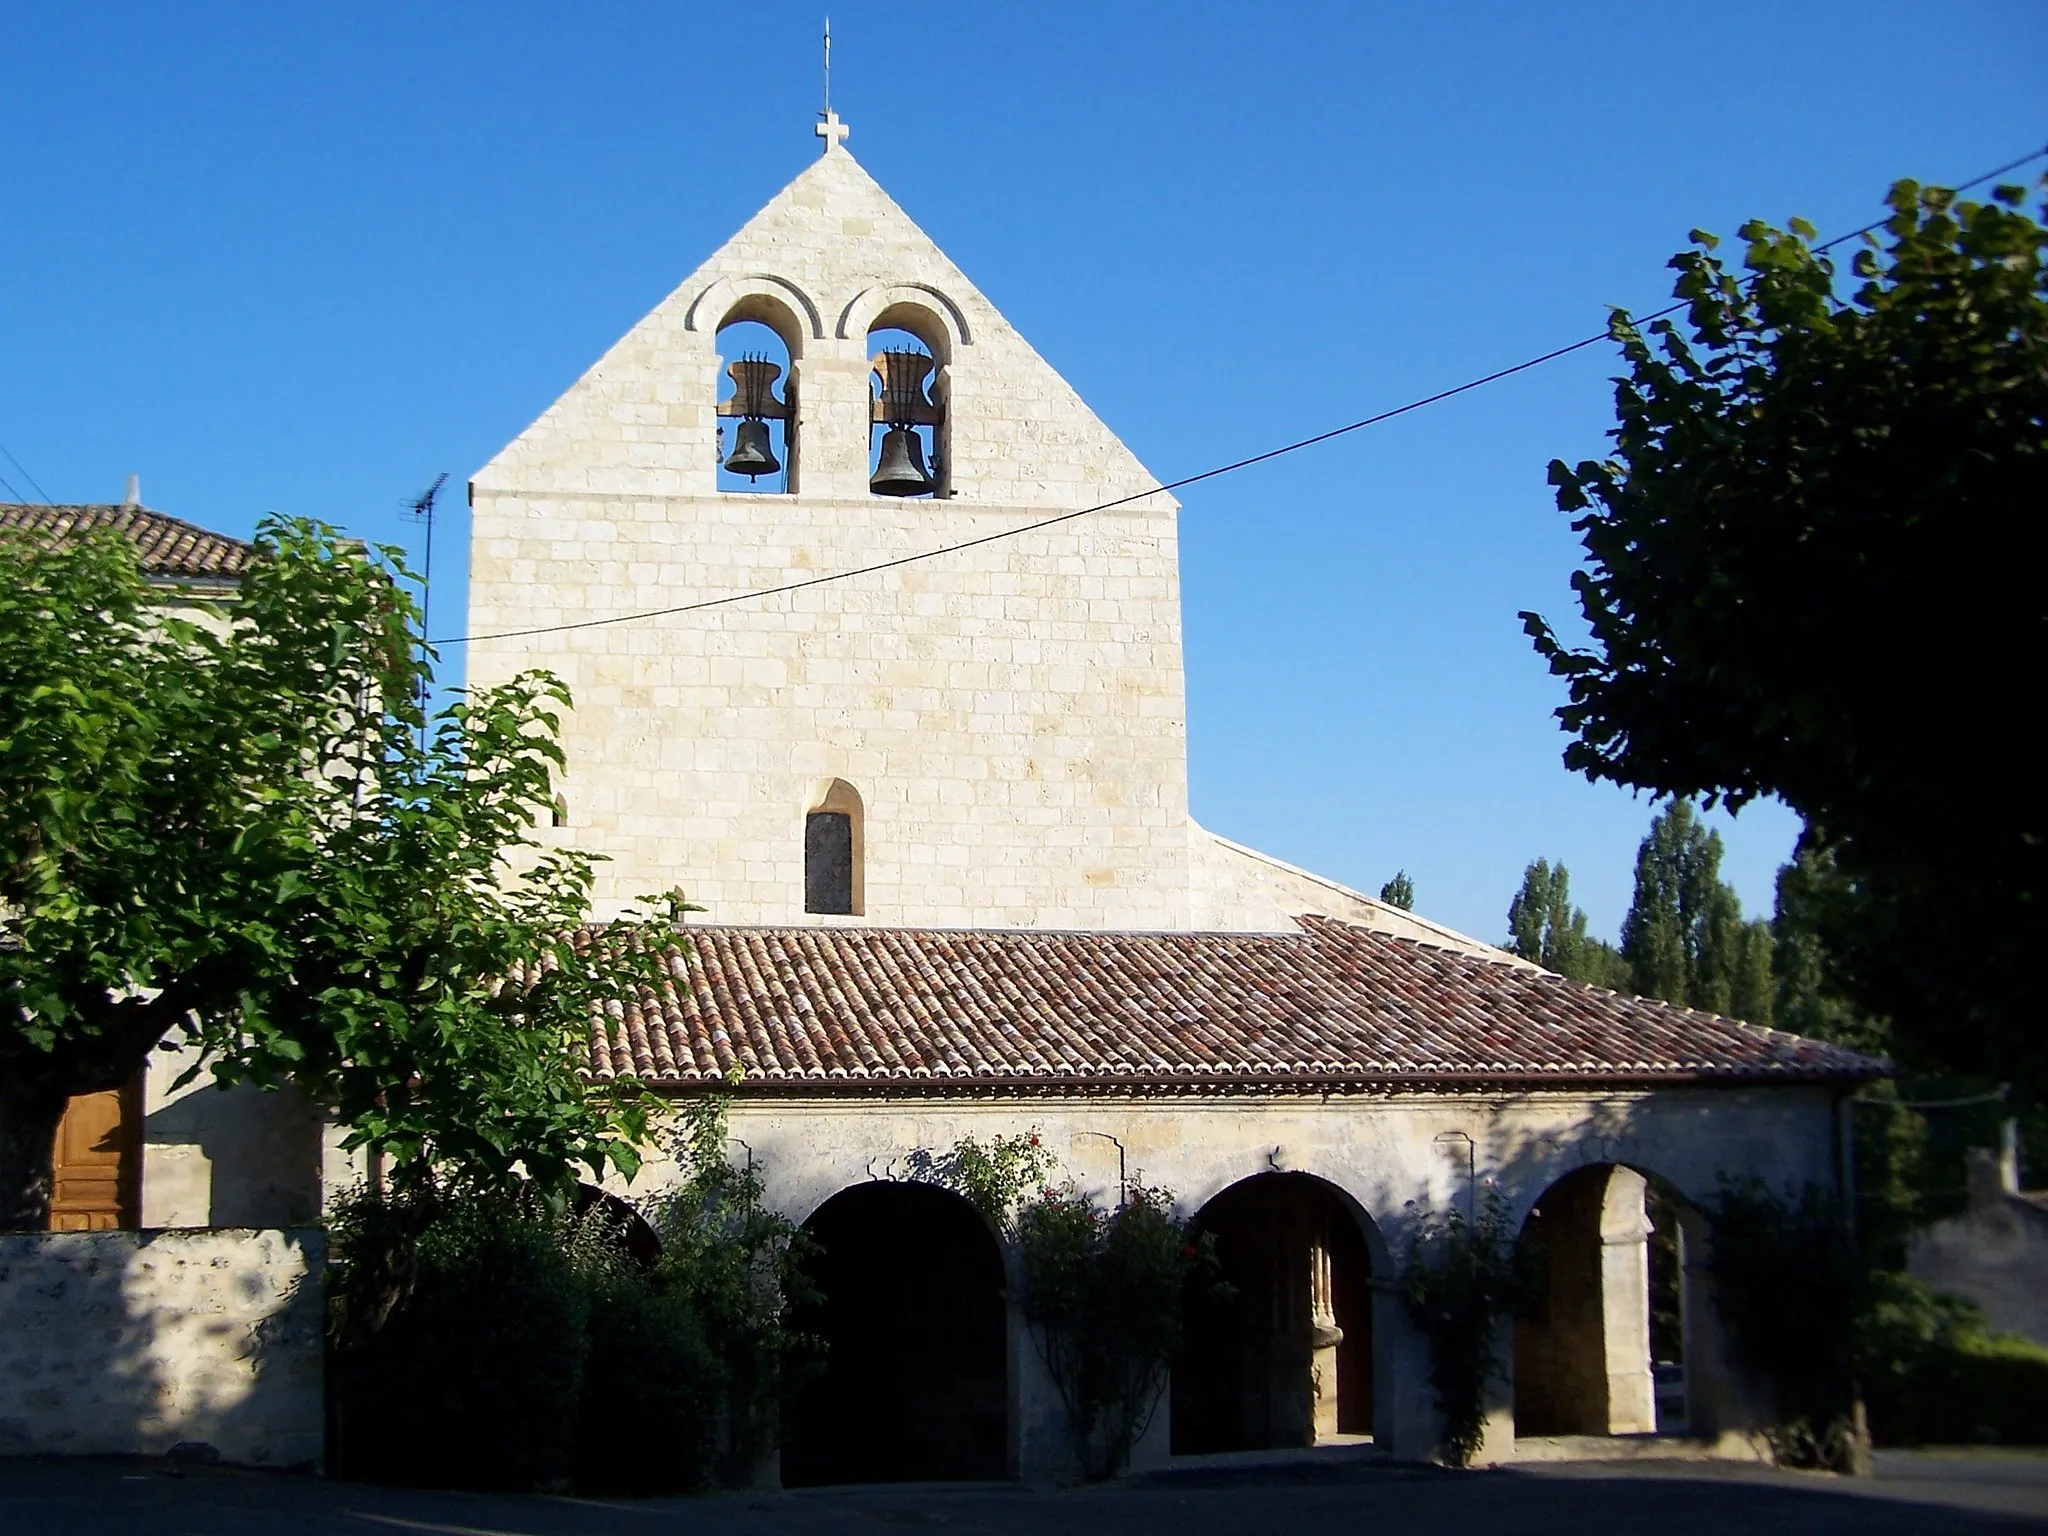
column 1034, row 1141
column 1187, row 1250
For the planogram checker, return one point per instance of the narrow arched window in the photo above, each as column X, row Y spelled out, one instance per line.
column 833, row 839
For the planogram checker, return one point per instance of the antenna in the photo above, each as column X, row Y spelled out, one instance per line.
column 827, row 113
column 421, row 509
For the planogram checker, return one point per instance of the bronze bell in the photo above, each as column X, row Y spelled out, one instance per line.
column 751, row 454
column 902, row 471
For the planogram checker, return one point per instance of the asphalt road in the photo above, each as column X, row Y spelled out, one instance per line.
column 1921, row 1493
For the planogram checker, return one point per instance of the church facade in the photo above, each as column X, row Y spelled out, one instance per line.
column 935, row 809
column 1004, row 726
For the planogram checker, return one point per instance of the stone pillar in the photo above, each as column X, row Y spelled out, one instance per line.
column 1405, row 1421
column 1041, row 1447
column 1625, row 1305
column 1721, row 1403
column 1497, row 1437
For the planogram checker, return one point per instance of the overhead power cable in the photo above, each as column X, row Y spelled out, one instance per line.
column 31, row 479
column 1171, row 485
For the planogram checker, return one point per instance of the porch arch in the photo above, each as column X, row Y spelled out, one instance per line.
column 910, row 1307
column 1287, row 1357
column 1601, row 1342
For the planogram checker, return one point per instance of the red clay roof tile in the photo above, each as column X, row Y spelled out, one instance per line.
column 837, row 1008
column 167, row 546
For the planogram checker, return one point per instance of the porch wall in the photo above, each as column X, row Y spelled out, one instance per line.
column 1392, row 1157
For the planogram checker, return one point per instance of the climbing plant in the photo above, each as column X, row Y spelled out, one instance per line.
column 1104, row 1288
column 740, row 1264
column 994, row 1176
column 1461, row 1285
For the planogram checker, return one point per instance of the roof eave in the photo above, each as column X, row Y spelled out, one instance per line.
column 1463, row 1080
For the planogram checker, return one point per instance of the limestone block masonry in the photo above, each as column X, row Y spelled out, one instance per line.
column 1011, row 716
column 133, row 1343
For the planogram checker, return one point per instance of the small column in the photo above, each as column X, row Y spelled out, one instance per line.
column 1323, row 1338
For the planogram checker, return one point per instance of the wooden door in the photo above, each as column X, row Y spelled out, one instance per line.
column 96, row 1164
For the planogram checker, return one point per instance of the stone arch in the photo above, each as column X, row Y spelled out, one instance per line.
column 910, row 1303
column 1287, row 1358
column 1604, row 1331
column 835, row 850
column 919, row 308
column 775, row 302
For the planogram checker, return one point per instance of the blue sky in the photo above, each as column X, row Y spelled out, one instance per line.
column 303, row 259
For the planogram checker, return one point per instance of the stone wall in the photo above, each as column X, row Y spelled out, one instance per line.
column 133, row 1343
column 1235, row 889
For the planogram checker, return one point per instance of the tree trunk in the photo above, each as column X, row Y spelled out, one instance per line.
column 29, row 1114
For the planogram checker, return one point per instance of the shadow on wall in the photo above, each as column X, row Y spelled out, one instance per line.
column 232, row 1157
column 139, row 1343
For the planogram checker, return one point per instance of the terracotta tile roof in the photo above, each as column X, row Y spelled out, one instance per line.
column 809, row 1009
column 168, row 547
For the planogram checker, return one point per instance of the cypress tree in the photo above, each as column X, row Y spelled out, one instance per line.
column 1544, row 926
column 1814, row 898
column 1684, row 938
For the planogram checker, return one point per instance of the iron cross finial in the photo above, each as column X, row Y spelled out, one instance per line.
column 830, row 129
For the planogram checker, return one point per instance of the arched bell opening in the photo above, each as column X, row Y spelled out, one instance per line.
column 1284, row 1356
column 1600, row 1327
column 909, row 1306
column 757, row 417
column 908, row 452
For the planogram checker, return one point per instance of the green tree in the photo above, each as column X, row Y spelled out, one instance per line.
column 1813, row 572
column 1684, row 938
column 1399, row 891
column 238, row 830
column 1814, row 899
column 1545, row 927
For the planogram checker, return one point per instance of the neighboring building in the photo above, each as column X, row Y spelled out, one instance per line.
column 1996, row 1252
column 179, row 560
column 153, row 1154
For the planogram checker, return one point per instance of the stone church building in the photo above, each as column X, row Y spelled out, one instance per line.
column 935, row 812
